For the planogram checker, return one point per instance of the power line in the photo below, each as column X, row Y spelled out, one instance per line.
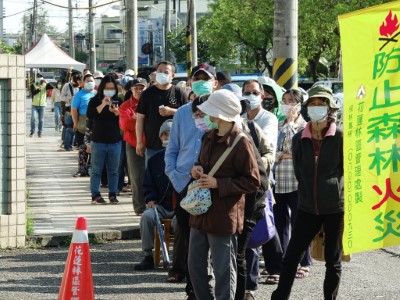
column 17, row 13
column 80, row 8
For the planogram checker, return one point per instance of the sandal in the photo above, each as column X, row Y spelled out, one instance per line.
column 264, row 272
column 175, row 278
column 272, row 279
column 303, row 272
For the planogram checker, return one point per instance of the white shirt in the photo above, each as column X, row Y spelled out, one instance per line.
column 269, row 125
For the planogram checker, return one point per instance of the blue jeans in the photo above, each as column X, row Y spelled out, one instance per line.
column 57, row 113
column 68, row 138
column 108, row 155
column 39, row 110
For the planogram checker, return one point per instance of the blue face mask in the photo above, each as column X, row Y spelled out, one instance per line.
column 162, row 78
column 202, row 87
column 210, row 124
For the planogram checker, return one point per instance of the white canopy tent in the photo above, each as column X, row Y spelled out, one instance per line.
column 46, row 54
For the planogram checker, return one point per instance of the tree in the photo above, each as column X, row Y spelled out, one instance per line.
column 319, row 35
column 239, row 29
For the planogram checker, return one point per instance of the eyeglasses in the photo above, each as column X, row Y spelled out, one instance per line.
column 255, row 93
column 198, row 115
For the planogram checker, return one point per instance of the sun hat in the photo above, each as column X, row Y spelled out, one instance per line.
column 166, row 126
column 321, row 92
column 129, row 72
column 222, row 104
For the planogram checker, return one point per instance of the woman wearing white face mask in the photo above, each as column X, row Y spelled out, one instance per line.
column 56, row 100
column 318, row 166
column 285, row 190
column 103, row 110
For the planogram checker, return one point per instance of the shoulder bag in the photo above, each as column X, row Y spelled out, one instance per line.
column 198, row 199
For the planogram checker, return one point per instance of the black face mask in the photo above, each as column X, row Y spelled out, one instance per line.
column 267, row 104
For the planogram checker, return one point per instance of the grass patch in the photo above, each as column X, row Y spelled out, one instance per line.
column 28, row 215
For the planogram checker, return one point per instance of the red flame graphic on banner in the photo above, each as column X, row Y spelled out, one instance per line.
column 391, row 25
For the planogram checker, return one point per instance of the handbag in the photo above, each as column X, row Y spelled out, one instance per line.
column 265, row 227
column 317, row 249
column 198, row 199
column 82, row 124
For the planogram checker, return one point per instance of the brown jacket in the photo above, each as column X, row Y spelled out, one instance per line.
column 238, row 175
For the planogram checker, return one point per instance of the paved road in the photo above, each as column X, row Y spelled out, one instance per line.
column 36, row 274
column 56, row 199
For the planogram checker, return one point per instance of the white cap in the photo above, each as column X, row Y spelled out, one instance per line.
column 129, row 72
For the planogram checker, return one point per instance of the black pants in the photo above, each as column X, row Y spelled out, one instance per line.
column 305, row 228
column 272, row 252
column 243, row 240
column 79, row 138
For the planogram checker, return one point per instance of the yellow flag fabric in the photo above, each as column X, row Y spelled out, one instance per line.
column 370, row 41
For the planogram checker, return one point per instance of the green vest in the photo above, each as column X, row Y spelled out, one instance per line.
column 40, row 98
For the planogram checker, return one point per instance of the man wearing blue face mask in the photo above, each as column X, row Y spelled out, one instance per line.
column 156, row 105
column 79, row 107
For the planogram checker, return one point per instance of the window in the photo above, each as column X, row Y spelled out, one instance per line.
column 114, row 33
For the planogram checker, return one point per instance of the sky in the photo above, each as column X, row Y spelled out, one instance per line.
column 58, row 17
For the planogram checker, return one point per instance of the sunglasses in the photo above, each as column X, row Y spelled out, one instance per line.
column 255, row 93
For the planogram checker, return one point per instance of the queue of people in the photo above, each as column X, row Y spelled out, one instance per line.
column 287, row 146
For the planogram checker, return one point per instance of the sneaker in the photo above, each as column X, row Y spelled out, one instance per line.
column 39, row 135
column 113, row 200
column 146, row 264
column 98, row 200
column 31, row 135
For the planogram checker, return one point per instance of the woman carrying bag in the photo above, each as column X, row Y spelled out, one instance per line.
column 216, row 230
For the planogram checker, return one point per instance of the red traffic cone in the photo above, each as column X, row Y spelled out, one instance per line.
column 77, row 282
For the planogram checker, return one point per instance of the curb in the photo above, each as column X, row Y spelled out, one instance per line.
column 64, row 239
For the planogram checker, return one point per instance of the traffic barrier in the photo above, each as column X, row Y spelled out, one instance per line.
column 77, row 282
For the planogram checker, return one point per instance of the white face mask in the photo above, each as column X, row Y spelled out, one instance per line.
column 201, row 125
column 255, row 101
column 89, row 86
column 317, row 113
column 109, row 93
column 165, row 143
column 162, row 78
column 285, row 108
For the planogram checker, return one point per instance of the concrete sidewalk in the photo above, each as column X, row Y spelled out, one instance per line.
column 56, row 198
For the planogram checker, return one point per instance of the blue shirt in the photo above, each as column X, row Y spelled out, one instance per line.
column 183, row 147
column 81, row 101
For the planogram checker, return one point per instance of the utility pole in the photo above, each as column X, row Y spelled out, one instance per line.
column 71, row 33
column 167, row 28
column 33, row 23
column 132, row 35
column 285, row 47
column 193, row 27
column 1, row 20
column 92, row 39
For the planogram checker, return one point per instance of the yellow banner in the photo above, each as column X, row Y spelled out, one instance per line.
column 370, row 41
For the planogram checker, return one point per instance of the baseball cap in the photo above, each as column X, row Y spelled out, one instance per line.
column 98, row 74
column 206, row 68
column 129, row 72
column 139, row 80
